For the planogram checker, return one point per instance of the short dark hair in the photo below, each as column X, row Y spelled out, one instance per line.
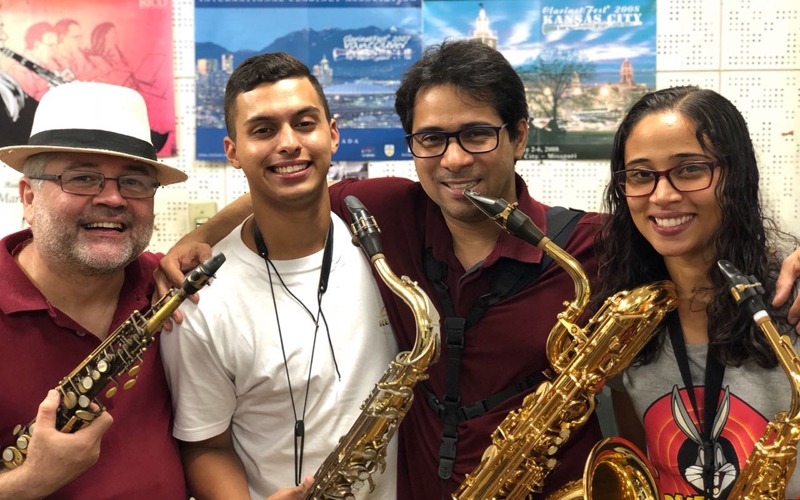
column 266, row 68
column 472, row 67
column 745, row 236
column 35, row 33
column 62, row 27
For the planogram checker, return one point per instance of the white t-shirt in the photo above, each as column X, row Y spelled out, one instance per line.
column 225, row 363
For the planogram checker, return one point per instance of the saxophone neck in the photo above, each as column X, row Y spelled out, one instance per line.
column 576, row 272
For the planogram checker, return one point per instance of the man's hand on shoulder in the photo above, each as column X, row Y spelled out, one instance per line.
column 790, row 272
column 54, row 458
column 296, row 493
column 181, row 258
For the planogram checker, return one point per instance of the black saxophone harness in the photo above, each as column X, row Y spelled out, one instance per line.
column 507, row 277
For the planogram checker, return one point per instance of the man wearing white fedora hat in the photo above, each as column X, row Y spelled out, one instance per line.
column 90, row 174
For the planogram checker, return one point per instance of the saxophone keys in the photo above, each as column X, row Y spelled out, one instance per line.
column 130, row 383
column 69, row 400
column 84, row 401
column 84, row 415
column 134, row 371
column 85, row 384
column 96, row 375
column 17, row 429
column 22, row 442
column 12, row 457
column 110, row 393
column 104, row 365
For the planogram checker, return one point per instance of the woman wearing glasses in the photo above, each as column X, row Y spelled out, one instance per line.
column 684, row 194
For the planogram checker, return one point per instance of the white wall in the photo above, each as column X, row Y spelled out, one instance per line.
column 747, row 50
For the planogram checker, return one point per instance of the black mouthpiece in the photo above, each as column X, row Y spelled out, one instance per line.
column 746, row 290
column 202, row 273
column 364, row 227
column 506, row 216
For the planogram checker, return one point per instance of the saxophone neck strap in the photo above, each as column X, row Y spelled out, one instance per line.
column 506, row 277
column 712, row 385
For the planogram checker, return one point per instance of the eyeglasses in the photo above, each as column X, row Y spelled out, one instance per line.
column 92, row 183
column 684, row 178
column 475, row 140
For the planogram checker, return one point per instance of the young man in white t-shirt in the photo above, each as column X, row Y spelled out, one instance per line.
column 271, row 370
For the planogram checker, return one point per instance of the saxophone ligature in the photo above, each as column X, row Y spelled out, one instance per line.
column 771, row 463
column 119, row 354
column 524, row 446
column 362, row 451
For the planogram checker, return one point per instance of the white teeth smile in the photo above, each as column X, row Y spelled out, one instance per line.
column 104, row 225
column 677, row 221
column 290, row 169
column 461, row 186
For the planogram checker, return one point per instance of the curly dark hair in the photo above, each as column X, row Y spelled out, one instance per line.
column 266, row 68
column 745, row 237
column 476, row 69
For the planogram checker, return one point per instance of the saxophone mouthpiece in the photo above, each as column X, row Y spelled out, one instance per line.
column 507, row 216
column 365, row 229
column 746, row 290
column 196, row 279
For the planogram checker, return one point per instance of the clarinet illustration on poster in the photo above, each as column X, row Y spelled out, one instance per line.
column 44, row 43
column 358, row 49
column 583, row 63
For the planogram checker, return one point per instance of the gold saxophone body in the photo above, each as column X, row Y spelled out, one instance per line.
column 524, row 446
column 362, row 451
column 120, row 353
column 771, row 464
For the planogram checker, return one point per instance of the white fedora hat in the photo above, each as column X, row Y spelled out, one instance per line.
column 92, row 117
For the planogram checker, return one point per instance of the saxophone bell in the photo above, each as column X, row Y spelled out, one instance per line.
column 615, row 470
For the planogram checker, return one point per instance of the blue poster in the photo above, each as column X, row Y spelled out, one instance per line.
column 358, row 49
column 583, row 63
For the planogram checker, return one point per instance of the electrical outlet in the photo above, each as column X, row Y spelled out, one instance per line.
column 199, row 213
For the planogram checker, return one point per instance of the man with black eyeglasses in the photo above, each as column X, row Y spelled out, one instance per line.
column 89, row 177
column 464, row 111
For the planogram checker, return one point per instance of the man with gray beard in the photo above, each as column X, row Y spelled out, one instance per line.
column 90, row 175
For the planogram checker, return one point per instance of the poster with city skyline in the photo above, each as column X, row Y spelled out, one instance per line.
column 358, row 49
column 583, row 63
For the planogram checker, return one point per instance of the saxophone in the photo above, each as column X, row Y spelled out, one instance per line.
column 523, row 447
column 771, row 464
column 362, row 451
column 120, row 353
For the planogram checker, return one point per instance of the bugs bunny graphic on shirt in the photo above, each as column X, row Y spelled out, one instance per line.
column 692, row 456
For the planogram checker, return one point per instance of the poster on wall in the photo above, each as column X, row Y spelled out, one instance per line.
column 357, row 49
column 583, row 63
column 45, row 43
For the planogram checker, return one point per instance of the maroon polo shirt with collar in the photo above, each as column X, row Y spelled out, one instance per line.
column 40, row 345
column 505, row 346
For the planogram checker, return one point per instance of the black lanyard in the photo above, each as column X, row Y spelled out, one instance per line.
column 714, row 373
column 324, row 274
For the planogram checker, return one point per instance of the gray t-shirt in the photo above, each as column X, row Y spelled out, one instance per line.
column 751, row 396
